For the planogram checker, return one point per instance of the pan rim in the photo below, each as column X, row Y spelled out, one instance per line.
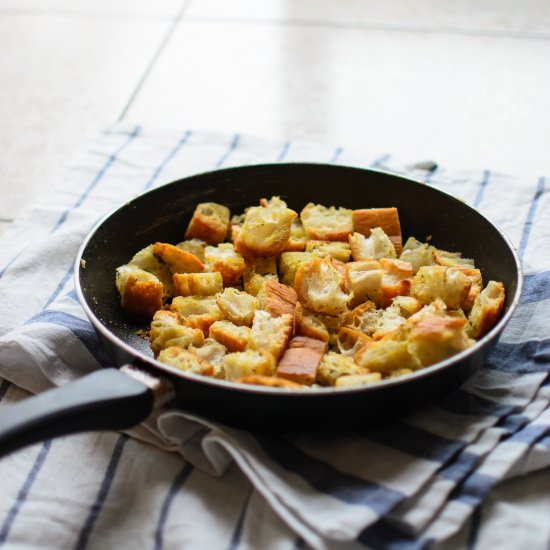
column 301, row 393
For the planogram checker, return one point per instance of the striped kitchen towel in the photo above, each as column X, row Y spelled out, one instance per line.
column 447, row 475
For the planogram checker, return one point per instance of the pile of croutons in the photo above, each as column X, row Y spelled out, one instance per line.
column 327, row 298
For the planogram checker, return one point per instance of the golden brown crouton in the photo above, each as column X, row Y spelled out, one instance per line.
column 278, row 299
column 271, row 334
column 233, row 337
column 140, row 292
column 197, row 311
column 300, row 361
column 298, row 238
column 197, row 284
column 146, row 260
column 452, row 259
column 289, row 262
column 326, row 224
column 268, row 381
column 214, row 353
column 168, row 330
column 385, row 218
column 193, row 246
column 210, row 222
column 377, row 245
column 224, row 259
column 487, row 309
column 339, row 250
column 396, row 280
column 447, row 283
column 265, row 231
column 250, row 362
column 364, row 279
column 258, row 271
column 185, row 360
column 357, row 379
column 237, row 306
column 477, row 284
column 308, row 324
column 334, row 365
column 405, row 306
column 178, row 260
column 351, row 340
column 319, row 287
column 417, row 254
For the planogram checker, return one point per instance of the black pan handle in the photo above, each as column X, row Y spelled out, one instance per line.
column 104, row 400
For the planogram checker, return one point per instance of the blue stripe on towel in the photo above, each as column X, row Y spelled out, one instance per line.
column 381, row 536
column 530, row 435
column 83, row 330
column 461, row 467
column 536, row 288
column 467, row 404
column 237, row 533
column 232, row 147
column 336, row 155
column 474, row 489
column 523, row 358
column 530, row 217
column 380, row 160
column 327, row 479
column 177, row 484
column 283, row 152
column 96, row 508
column 24, row 491
column 482, row 187
column 171, row 155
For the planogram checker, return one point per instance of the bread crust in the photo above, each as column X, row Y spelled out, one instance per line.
column 279, row 299
column 177, row 259
column 197, row 284
column 301, row 359
column 210, row 223
column 326, row 224
column 268, row 381
column 365, row 220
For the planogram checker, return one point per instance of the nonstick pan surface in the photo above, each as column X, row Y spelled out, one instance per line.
column 163, row 214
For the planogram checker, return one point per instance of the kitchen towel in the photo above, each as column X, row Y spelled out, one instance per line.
column 429, row 479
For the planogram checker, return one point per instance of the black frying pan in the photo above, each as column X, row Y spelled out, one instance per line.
column 110, row 399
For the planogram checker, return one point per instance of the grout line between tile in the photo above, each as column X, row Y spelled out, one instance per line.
column 87, row 14
column 377, row 26
column 156, row 55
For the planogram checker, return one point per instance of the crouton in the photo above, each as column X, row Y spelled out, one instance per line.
column 271, row 334
column 374, row 247
column 258, row 271
column 289, row 262
column 197, row 284
column 250, row 362
column 396, row 280
column 364, row 317
column 319, row 287
column 339, row 250
column 265, row 231
column 452, row 259
column 486, row 309
column 197, row 311
column 233, row 337
column 435, row 338
column 179, row 261
column 385, row 218
column 351, row 340
column 210, row 223
column 417, row 254
column 140, row 292
column 333, row 365
column 237, row 306
column 364, row 279
column 146, row 260
column 278, row 299
column 298, row 238
column 308, row 324
column 193, row 246
column 326, row 224
column 477, row 284
column 224, row 259
column 268, row 381
column 214, row 353
column 397, row 373
column 388, row 322
column 447, row 283
column 301, row 359
column 185, row 360
column 357, row 379
column 167, row 330
column 405, row 306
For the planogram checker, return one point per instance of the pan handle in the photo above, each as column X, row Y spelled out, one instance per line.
column 104, row 400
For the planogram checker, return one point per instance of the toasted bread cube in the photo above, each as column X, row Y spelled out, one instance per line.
column 197, row 284
column 301, row 360
column 396, row 280
column 229, row 263
column 268, row 381
column 319, row 287
column 167, row 330
column 374, row 247
column 214, row 353
column 385, row 218
column 364, row 317
column 339, row 250
column 210, row 223
column 197, row 311
column 235, row 225
column 298, row 238
column 308, row 324
column 254, row 283
column 193, row 246
column 271, row 334
column 326, row 224
column 418, row 254
column 388, row 322
column 397, row 373
column 140, row 292
column 487, row 309
column 178, row 260
column 357, row 379
column 265, row 231
column 437, row 308
column 405, row 306
column 258, row 271
column 289, row 262
column 364, row 280
column 334, row 365
column 435, row 338
column 452, row 259
column 237, row 306
column 278, row 299
column 233, row 337
column 477, row 284
column 185, row 360
column 351, row 340
column 447, row 283
column 145, row 259
column 250, row 362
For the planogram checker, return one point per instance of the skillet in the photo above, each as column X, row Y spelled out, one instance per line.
column 120, row 398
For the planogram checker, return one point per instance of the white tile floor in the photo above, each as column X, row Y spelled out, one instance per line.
column 463, row 82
